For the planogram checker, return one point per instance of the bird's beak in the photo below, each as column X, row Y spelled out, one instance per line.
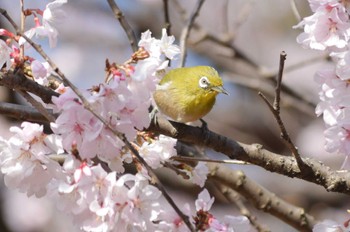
column 219, row 89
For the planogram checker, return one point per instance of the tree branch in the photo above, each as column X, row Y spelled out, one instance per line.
column 17, row 81
column 319, row 173
column 262, row 198
column 22, row 112
column 230, row 181
column 233, row 196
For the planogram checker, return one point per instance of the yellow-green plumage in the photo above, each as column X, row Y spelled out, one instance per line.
column 188, row 94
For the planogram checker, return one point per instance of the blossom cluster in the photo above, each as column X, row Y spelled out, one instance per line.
column 328, row 29
column 43, row 28
column 91, row 183
column 99, row 200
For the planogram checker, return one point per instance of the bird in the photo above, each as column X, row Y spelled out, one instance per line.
column 187, row 94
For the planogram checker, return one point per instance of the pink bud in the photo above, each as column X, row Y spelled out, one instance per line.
column 5, row 32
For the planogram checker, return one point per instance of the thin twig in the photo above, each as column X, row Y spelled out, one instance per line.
column 186, row 31
column 166, row 17
column 275, row 109
column 37, row 105
column 124, row 23
column 179, row 172
column 266, row 101
column 276, row 103
column 186, row 159
column 154, row 179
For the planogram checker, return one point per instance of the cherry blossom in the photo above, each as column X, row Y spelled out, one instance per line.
column 334, row 94
column 51, row 14
column 204, row 201
column 142, row 203
column 24, row 161
column 207, row 222
column 199, row 174
column 230, row 224
column 315, row 5
column 328, row 28
column 171, row 221
column 167, row 47
column 159, row 151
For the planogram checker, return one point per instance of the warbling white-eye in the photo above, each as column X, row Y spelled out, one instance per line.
column 188, row 94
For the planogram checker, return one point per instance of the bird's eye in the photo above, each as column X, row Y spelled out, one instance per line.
column 204, row 82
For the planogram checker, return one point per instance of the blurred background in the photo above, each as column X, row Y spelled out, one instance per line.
column 242, row 39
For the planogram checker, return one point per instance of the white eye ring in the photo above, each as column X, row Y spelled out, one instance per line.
column 204, row 82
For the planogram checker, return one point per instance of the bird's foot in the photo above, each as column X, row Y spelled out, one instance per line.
column 153, row 115
column 205, row 130
column 204, row 124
